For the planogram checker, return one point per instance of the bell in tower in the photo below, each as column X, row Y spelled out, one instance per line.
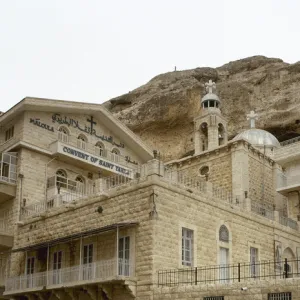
column 210, row 126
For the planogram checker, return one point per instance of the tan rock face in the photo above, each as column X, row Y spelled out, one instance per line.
column 161, row 112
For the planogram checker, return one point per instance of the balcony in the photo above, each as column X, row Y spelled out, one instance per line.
column 6, row 235
column 8, row 176
column 65, row 192
column 287, row 184
column 93, row 273
column 109, row 163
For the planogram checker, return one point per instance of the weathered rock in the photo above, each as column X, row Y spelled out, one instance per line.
column 162, row 111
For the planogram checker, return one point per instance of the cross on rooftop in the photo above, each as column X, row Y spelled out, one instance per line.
column 209, row 86
column 252, row 117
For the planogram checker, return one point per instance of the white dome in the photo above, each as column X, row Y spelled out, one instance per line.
column 258, row 137
column 210, row 96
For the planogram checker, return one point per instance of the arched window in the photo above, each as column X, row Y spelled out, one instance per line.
column 204, row 136
column 223, row 234
column 61, row 179
column 81, row 141
column 80, row 184
column 100, row 149
column 115, row 151
column 63, row 134
column 115, row 154
column 221, row 134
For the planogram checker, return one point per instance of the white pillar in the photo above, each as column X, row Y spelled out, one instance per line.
column 117, row 251
column 80, row 259
column 48, row 250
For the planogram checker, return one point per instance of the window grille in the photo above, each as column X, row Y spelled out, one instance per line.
column 187, row 247
column 214, row 298
column 224, row 234
column 280, row 296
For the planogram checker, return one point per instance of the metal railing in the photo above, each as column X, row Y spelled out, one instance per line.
column 186, row 181
column 290, row 141
column 230, row 273
column 288, row 222
column 104, row 153
column 227, row 196
column 263, row 209
column 100, row 270
column 33, row 210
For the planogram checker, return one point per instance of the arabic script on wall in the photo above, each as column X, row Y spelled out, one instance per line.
column 57, row 118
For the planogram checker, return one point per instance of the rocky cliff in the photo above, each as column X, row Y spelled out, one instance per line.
column 161, row 112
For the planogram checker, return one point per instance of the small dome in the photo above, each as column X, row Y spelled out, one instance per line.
column 258, row 137
column 210, row 96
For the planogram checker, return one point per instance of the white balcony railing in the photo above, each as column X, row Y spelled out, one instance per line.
column 97, row 271
column 95, row 150
column 284, row 181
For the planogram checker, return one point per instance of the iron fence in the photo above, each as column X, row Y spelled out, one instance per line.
column 230, row 273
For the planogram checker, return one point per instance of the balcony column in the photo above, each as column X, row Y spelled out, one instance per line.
column 47, row 282
column 25, row 262
column 117, row 251
column 80, row 258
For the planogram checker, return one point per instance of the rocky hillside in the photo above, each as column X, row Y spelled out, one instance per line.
column 161, row 112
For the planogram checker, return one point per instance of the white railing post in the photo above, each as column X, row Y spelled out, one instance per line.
column 117, row 252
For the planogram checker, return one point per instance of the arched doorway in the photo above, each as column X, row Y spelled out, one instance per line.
column 289, row 263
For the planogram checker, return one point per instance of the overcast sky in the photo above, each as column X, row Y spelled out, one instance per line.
column 91, row 51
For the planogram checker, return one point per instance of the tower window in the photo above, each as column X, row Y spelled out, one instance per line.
column 9, row 133
column 204, row 170
column 224, row 234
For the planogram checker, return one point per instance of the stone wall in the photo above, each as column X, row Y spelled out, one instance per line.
column 158, row 239
column 261, row 183
column 219, row 164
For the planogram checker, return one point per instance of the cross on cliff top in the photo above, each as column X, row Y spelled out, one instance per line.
column 210, row 86
column 252, row 117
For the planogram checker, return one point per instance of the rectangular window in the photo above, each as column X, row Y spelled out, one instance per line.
column 214, row 298
column 254, row 264
column 88, row 266
column 57, row 261
column 9, row 133
column 124, row 255
column 29, row 272
column 30, row 265
column 280, row 296
column 187, row 247
column 88, row 254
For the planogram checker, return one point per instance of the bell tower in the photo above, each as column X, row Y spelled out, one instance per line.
column 210, row 128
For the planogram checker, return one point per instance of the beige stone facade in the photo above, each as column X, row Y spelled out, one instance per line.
column 88, row 212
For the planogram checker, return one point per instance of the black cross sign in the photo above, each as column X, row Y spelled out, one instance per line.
column 92, row 123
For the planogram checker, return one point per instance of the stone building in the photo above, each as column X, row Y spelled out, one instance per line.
column 88, row 211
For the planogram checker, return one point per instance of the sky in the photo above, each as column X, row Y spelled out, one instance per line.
column 94, row 50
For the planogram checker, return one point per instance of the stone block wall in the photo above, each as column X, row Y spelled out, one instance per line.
column 177, row 208
column 261, row 182
column 219, row 169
